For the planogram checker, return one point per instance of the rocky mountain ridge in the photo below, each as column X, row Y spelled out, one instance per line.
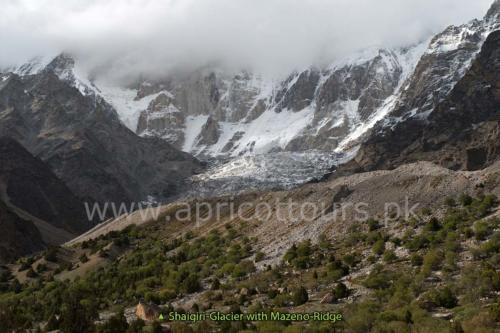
column 36, row 208
column 210, row 113
column 85, row 144
column 242, row 119
column 462, row 132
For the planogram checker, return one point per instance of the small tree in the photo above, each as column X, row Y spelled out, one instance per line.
column 76, row 317
column 433, row 225
column 416, row 260
column 215, row 285
column 291, row 253
column 300, row 296
column 340, row 291
column 446, row 298
column 379, row 247
column 465, row 199
column 372, row 225
column 390, row 256
column 84, row 258
column 191, row 284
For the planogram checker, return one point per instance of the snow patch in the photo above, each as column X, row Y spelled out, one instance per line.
column 123, row 100
column 270, row 130
column 194, row 124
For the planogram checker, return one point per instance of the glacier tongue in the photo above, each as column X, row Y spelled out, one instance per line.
column 276, row 171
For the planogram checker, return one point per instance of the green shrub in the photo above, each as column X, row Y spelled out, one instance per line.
column 340, row 291
column 372, row 225
column 336, row 270
column 378, row 279
column 481, row 230
column 379, row 247
column 84, row 258
column 351, row 259
column 426, row 211
column 465, row 199
column 452, row 242
column 301, row 262
column 281, row 300
column 450, row 261
column 416, row 259
column 432, row 261
column 433, row 225
column 300, row 296
column 215, row 284
column 190, row 284
column 390, row 256
column 443, row 297
column 304, row 249
column 291, row 253
column 243, row 268
column 323, row 242
column 489, row 247
column 417, row 243
column 468, row 232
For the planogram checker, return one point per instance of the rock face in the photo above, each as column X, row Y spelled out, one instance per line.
column 84, row 143
column 147, row 312
column 247, row 113
column 36, row 208
column 324, row 109
column 29, row 184
column 463, row 131
column 226, row 116
column 163, row 120
column 447, row 59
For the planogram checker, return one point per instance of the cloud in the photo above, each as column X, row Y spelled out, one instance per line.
column 149, row 36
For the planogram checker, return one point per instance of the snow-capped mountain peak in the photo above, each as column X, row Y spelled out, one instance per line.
column 225, row 115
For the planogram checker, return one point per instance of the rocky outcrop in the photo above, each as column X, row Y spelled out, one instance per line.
column 84, row 143
column 147, row 312
column 29, row 184
column 36, row 208
column 463, row 131
column 163, row 119
column 301, row 96
column 210, row 132
column 331, row 101
column 338, row 103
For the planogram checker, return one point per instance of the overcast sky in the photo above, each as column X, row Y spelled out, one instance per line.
column 154, row 35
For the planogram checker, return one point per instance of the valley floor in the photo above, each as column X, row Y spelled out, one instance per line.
column 437, row 271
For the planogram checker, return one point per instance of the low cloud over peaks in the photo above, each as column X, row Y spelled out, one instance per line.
column 139, row 36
